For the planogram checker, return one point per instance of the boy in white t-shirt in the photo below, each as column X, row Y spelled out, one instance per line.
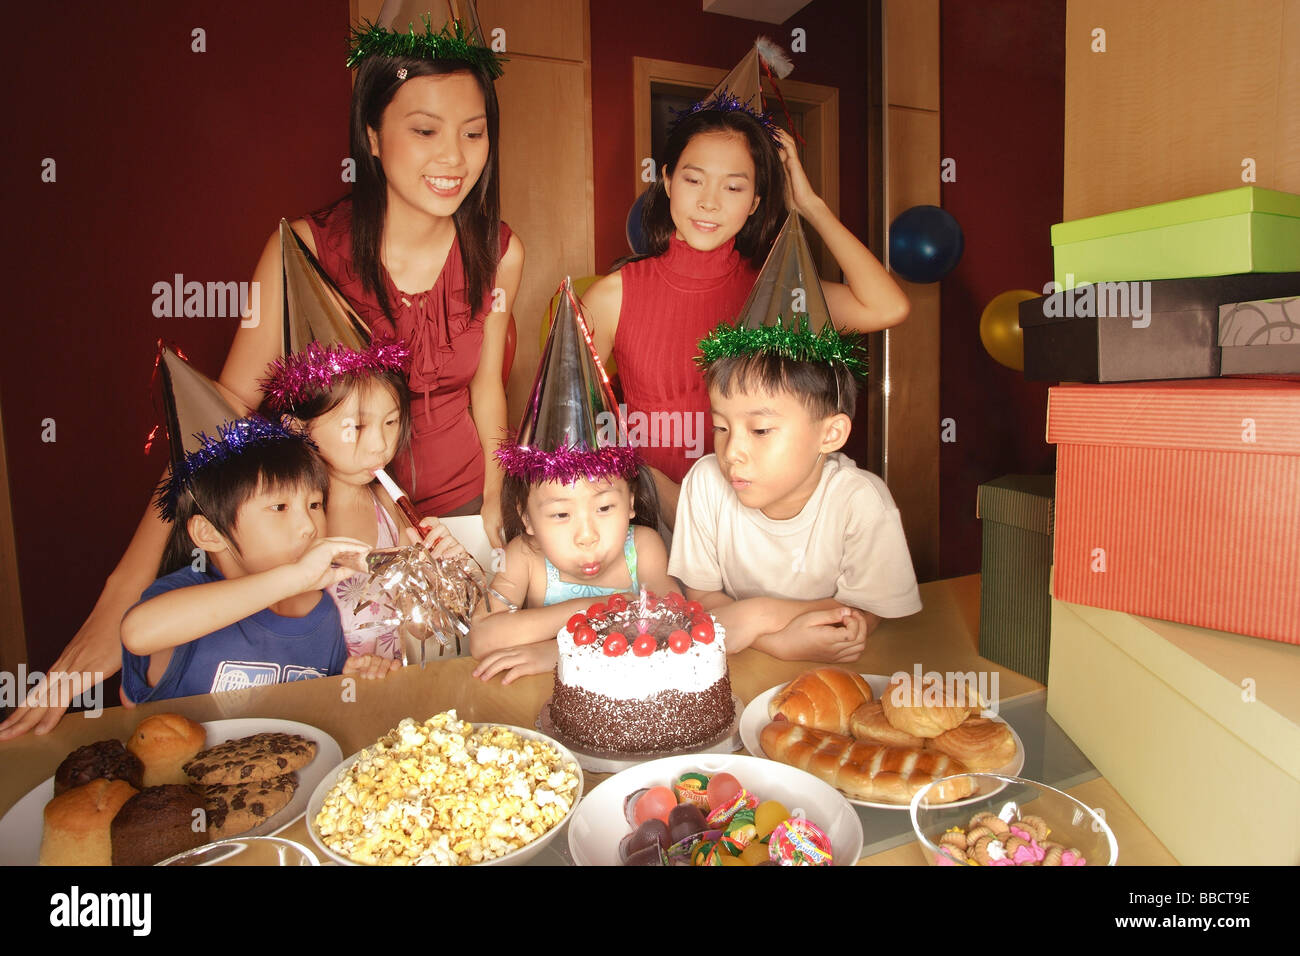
column 796, row 550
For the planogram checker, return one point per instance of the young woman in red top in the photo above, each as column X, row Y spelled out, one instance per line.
column 423, row 217
column 709, row 222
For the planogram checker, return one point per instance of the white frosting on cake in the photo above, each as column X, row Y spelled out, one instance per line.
column 628, row 677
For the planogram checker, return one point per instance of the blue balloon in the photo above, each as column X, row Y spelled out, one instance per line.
column 636, row 238
column 925, row 244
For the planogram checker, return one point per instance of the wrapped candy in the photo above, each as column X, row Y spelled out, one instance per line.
column 429, row 601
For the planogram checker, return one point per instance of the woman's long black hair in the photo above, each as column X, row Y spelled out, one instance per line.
column 477, row 218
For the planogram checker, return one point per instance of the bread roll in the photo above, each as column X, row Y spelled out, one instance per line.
column 979, row 743
column 870, row 725
column 77, row 824
column 165, row 743
column 864, row 771
column 824, row 698
column 924, row 711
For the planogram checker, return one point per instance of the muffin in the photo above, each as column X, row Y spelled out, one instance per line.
column 107, row 760
column 156, row 823
column 78, row 824
column 165, row 743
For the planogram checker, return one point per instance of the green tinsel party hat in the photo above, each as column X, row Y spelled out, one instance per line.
column 786, row 312
column 395, row 35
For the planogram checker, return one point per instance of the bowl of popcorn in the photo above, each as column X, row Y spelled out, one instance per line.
column 1017, row 823
column 446, row 792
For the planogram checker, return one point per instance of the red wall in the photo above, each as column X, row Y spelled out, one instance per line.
column 167, row 161
column 1002, row 119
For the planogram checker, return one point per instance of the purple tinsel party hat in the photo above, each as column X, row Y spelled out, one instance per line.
column 571, row 427
column 323, row 336
column 203, row 429
column 742, row 89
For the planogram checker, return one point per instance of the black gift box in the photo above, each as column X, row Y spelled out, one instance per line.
column 1136, row 331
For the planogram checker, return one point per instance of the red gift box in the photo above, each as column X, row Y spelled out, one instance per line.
column 1181, row 501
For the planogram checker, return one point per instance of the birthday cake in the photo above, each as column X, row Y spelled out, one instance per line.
column 642, row 677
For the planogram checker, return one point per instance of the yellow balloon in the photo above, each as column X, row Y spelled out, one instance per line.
column 1000, row 328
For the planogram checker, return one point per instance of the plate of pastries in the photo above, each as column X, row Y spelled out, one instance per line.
column 879, row 740
column 173, row 785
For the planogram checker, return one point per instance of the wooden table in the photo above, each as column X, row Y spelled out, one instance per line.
column 942, row 637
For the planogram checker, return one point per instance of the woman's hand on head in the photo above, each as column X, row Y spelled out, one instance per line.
column 799, row 194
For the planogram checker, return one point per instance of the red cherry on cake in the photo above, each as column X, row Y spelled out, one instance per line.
column 702, row 631
column 644, row 646
column 615, row 645
column 675, row 601
column 617, row 603
column 575, row 622
column 694, row 608
column 679, row 642
column 596, row 610
column 585, row 634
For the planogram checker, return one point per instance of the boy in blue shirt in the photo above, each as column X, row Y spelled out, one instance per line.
column 246, row 606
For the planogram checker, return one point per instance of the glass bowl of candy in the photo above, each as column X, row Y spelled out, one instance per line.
column 714, row 810
column 1017, row 822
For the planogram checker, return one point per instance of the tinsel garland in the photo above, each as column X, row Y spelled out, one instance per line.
column 307, row 373
column 567, row 465
column 727, row 102
column 233, row 439
column 449, row 43
column 796, row 341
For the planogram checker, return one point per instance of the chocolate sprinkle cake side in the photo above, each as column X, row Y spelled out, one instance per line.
column 670, row 720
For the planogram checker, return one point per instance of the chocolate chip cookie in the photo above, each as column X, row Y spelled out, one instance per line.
column 238, row 808
column 251, row 759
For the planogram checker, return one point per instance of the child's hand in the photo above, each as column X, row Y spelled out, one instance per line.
column 437, row 540
column 516, row 662
column 799, row 194
column 329, row 561
column 370, row 666
column 832, row 635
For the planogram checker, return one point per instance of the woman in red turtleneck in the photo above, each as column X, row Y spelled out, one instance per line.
column 709, row 221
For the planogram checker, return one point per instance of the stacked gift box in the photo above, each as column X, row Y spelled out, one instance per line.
column 1177, row 500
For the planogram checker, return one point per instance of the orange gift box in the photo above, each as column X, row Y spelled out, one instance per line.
column 1181, row 501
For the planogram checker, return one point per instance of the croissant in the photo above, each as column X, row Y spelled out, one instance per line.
column 979, row 743
column 870, row 725
column 911, row 713
column 865, row 771
column 824, row 698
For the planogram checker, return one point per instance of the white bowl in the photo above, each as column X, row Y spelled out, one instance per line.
column 513, row 858
column 599, row 825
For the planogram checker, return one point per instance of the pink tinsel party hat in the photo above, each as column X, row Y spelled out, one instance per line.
column 571, row 427
column 323, row 337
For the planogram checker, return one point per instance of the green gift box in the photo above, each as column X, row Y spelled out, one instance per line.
column 1015, row 572
column 1247, row 229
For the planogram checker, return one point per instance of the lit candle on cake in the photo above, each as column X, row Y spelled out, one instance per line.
column 642, row 624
